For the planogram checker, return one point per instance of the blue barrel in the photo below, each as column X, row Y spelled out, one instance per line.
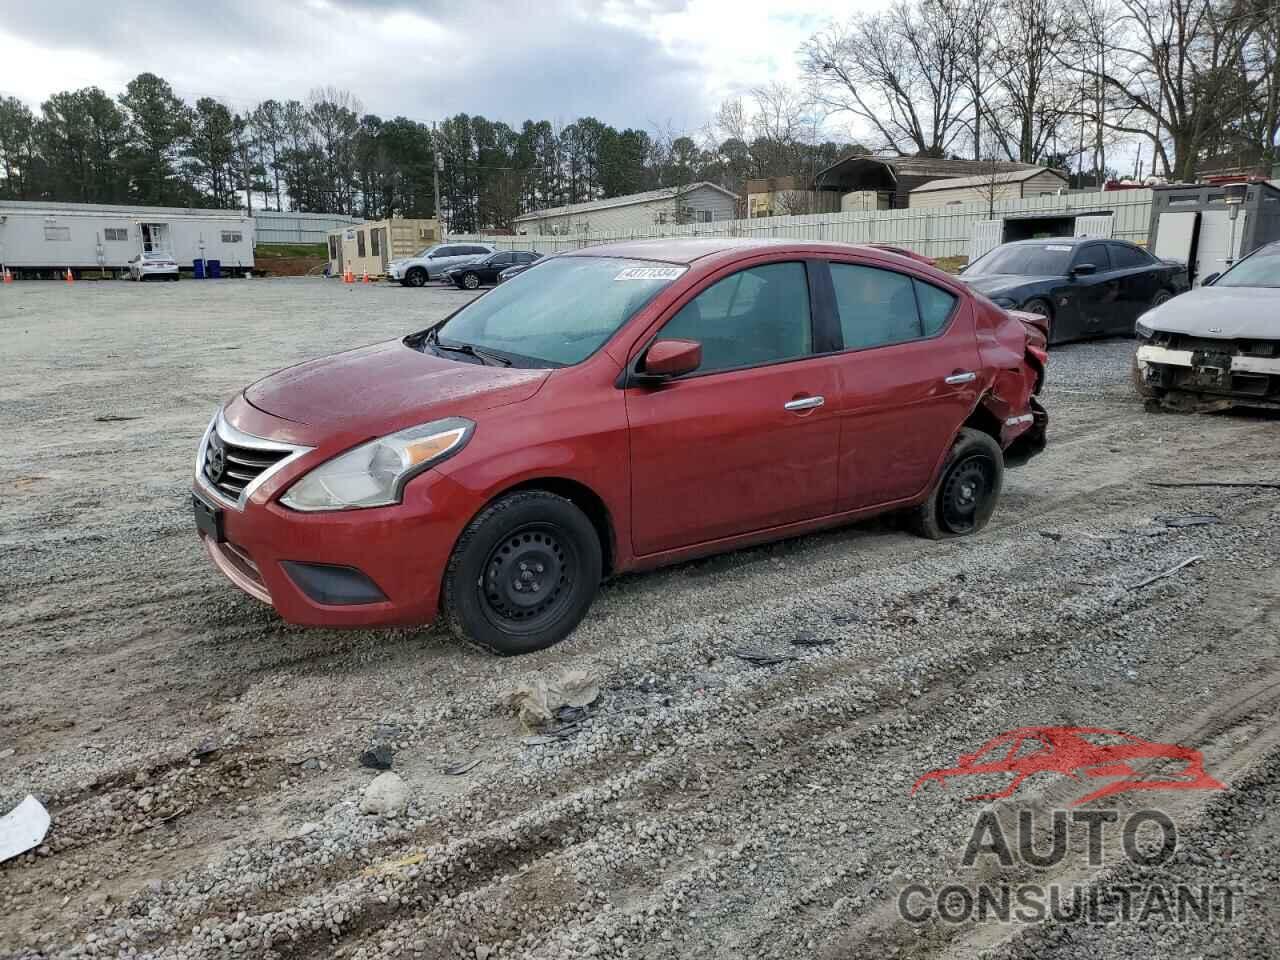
column 197, row 269
column 215, row 269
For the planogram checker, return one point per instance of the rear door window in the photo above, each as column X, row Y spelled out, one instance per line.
column 1126, row 257
column 755, row 316
column 878, row 307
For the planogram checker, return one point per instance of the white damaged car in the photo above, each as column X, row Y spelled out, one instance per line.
column 1217, row 346
column 434, row 262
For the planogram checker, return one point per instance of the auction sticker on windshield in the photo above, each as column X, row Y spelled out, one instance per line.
column 650, row 273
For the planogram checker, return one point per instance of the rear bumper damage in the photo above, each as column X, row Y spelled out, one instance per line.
column 1212, row 376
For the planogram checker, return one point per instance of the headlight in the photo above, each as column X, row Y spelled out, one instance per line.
column 1007, row 302
column 1142, row 330
column 374, row 473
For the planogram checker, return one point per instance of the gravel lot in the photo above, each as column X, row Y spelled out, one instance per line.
column 199, row 758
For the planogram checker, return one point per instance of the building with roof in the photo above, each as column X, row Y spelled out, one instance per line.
column 990, row 187
column 885, row 183
column 701, row 202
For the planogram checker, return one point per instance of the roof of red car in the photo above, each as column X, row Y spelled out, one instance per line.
column 688, row 249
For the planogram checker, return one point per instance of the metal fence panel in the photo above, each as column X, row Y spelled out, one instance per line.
column 272, row 226
column 933, row 231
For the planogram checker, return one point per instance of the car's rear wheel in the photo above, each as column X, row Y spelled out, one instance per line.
column 417, row 277
column 966, row 493
column 470, row 280
column 523, row 574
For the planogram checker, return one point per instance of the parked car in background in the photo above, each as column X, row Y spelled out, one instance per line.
column 1218, row 345
column 904, row 252
column 470, row 276
column 515, row 271
column 621, row 407
column 1085, row 286
column 433, row 262
column 153, row 266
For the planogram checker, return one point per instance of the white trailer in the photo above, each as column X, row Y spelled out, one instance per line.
column 52, row 237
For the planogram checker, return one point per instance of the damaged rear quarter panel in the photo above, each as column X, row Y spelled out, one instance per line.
column 1013, row 345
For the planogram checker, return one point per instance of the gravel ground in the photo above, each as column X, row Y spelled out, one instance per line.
column 200, row 758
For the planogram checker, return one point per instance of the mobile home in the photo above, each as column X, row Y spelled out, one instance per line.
column 40, row 237
column 369, row 247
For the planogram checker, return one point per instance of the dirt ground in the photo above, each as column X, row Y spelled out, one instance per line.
column 199, row 757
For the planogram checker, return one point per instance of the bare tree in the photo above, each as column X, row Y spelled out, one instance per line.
column 899, row 71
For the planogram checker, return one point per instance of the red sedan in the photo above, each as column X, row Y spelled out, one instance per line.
column 617, row 408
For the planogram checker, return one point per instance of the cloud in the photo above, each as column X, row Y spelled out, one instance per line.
column 629, row 62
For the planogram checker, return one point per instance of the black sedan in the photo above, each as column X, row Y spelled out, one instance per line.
column 469, row 276
column 1085, row 286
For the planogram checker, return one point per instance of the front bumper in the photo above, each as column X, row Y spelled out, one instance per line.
column 1222, row 372
column 382, row 566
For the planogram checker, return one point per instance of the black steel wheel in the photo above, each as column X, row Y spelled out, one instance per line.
column 523, row 573
column 965, row 496
column 471, row 280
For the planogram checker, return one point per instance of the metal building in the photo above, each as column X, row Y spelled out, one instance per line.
column 275, row 226
column 1210, row 227
column 38, row 237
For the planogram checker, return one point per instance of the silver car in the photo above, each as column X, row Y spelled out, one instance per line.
column 433, row 262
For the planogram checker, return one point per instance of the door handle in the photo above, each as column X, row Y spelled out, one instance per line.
column 957, row 378
column 804, row 403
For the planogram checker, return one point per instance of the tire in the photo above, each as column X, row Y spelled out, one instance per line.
column 967, row 491
column 1161, row 297
column 417, row 277
column 493, row 602
column 471, row 281
column 1041, row 308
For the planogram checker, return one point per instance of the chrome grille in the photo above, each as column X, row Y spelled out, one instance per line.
column 231, row 463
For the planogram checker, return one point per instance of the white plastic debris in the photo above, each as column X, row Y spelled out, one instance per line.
column 23, row 828
column 536, row 702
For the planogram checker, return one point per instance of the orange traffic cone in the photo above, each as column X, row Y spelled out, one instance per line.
column 8, row 277
column 366, row 277
column 348, row 276
column 69, row 277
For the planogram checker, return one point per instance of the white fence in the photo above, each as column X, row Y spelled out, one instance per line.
column 933, row 231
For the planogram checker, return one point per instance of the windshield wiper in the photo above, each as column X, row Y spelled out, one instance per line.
column 467, row 349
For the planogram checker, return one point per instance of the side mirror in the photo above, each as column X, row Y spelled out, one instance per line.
column 672, row 358
column 1211, row 279
column 1084, row 269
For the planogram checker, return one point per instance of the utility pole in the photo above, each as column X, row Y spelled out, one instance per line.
column 436, row 168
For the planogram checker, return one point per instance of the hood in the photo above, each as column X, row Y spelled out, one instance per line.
column 995, row 284
column 386, row 387
column 1249, row 313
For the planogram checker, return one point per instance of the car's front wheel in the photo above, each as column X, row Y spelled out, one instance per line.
column 522, row 574
column 470, row 280
column 417, row 277
column 966, row 493
column 1161, row 297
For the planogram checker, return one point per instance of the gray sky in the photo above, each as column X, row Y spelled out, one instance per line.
column 629, row 62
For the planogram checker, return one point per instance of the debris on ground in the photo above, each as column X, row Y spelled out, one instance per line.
column 113, row 418
column 23, row 828
column 459, row 768
column 1214, row 483
column 386, row 795
column 1167, row 573
column 806, row 639
column 1189, row 520
column 377, row 757
column 763, row 658
column 539, row 701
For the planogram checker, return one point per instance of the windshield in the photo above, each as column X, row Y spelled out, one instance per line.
column 1261, row 269
column 1031, row 260
column 560, row 313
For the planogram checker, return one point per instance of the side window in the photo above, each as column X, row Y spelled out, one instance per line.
column 360, row 243
column 478, row 251
column 1125, row 257
column 935, row 306
column 1095, row 253
column 877, row 307
column 373, row 242
column 756, row 316
column 333, row 248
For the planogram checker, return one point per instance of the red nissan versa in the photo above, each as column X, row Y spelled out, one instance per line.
column 613, row 409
